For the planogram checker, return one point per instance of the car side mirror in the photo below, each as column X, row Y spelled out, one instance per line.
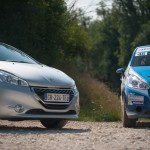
column 120, row 70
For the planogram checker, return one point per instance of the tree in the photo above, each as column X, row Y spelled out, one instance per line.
column 36, row 27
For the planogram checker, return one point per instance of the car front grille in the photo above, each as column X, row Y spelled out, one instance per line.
column 54, row 105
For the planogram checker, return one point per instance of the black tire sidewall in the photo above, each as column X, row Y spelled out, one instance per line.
column 125, row 120
column 53, row 123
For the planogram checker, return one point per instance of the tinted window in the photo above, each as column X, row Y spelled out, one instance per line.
column 142, row 59
column 9, row 53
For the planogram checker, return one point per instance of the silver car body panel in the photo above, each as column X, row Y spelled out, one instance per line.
column 12, row 96
column 28, row 101
column 37, row 76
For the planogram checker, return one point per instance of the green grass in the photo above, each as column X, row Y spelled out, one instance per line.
column 92, row 115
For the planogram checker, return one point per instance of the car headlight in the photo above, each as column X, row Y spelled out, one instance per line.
column 74, row 87
column 135, row 82
column 11, row 79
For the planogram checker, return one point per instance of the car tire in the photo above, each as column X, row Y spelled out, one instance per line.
column 127, row 123
column 53, row 123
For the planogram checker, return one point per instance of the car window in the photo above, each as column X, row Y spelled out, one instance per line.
column 9, row 53
column 141, row 59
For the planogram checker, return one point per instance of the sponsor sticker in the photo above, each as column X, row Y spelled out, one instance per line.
column 130, row 102
column 135, row 99
column 140, row 53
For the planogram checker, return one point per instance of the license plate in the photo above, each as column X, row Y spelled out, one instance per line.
column 57, row 97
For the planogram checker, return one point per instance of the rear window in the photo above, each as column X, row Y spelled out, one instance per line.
column 141, row 58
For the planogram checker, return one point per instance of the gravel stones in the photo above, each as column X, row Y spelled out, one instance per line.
column 74, row 136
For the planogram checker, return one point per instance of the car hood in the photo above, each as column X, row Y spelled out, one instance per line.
column 38, row 75
column 144, row 72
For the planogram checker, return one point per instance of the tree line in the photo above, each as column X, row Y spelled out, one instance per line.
column 115, row 36
column 48, row 31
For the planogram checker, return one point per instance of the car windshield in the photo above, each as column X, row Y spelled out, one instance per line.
column 141, row 59
column 9, row 53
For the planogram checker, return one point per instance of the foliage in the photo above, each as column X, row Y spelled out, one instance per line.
column 143, row 36
column 36, row 27
column 120, row 30
column 97, row 102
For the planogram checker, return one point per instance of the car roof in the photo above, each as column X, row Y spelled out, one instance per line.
column 4, row 44
column 1, row 43
column 143, row 46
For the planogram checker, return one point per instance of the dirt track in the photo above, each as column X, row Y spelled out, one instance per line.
column 75, row 136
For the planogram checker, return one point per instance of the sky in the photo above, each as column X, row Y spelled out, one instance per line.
column 89, row 6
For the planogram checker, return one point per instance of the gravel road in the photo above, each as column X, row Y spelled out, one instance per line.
column 75, row 136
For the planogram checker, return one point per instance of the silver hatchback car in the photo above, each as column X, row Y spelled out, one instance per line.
column 30, row 90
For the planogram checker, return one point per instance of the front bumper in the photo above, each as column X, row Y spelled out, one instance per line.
column 137, row 103
column 11, row 96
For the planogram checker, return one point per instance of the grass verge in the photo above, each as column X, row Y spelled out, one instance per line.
column 97, row 102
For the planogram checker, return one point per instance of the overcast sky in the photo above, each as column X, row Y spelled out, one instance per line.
column 89, row 6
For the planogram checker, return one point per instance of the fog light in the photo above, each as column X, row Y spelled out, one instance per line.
column 19, row 108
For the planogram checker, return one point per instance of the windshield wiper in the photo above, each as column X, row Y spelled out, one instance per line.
column 16, row 61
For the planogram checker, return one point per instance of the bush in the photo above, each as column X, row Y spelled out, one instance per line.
column 97, row 102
